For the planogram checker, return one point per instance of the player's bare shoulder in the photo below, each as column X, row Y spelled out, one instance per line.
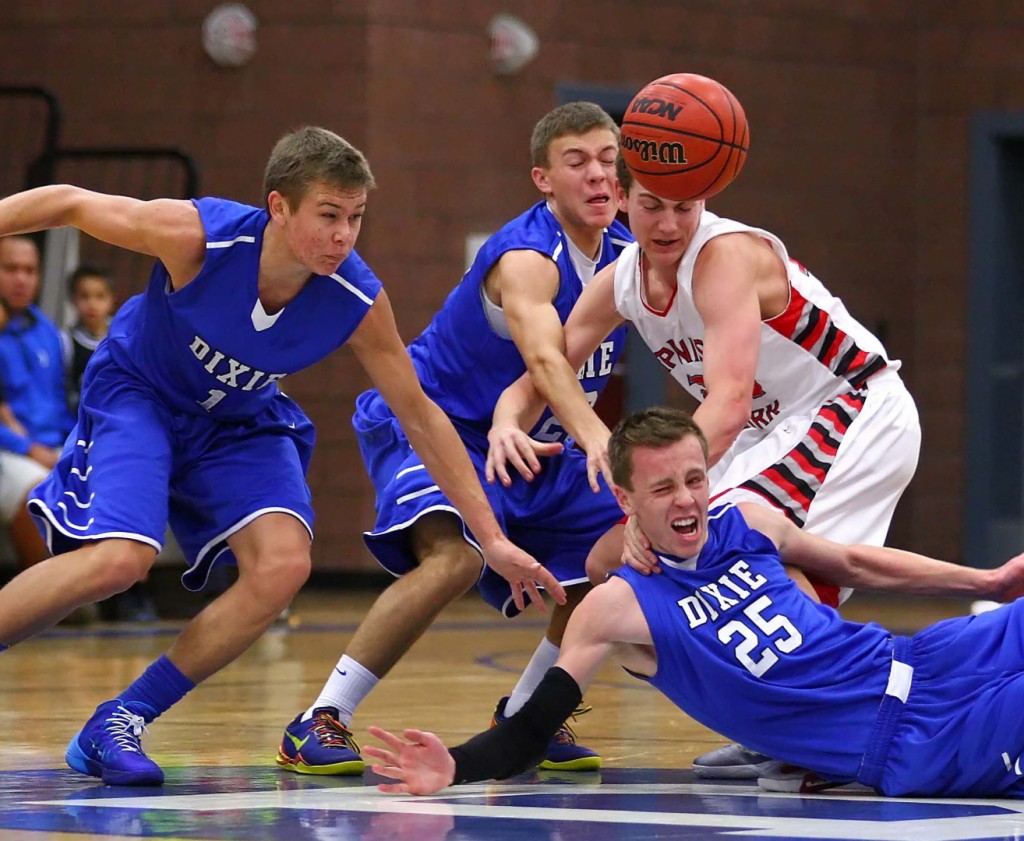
column 175, row 233
column 522, row 272
column 750, row 260
column 771, row 524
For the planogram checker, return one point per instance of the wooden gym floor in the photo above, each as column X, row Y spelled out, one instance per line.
column 218, row 745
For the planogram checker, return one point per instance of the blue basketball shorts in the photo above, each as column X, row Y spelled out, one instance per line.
column 961, row 731
column 132, row 465
column 557, row 518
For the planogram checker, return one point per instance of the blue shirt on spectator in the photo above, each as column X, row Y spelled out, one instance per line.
column 32, row 374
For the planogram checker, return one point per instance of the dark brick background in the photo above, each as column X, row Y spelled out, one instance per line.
column 860, row 114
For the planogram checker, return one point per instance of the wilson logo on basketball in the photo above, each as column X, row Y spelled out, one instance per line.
column 656, row 107
column 665, row 152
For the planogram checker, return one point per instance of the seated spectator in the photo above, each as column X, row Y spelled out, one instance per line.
column 34, row 416
column 31, row 352
column 93, row 300
column 18, row 475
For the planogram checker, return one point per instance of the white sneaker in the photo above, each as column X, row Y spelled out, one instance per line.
column 795, row 780
column 733, row 762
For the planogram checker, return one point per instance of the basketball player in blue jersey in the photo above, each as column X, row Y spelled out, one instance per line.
column 181, row 420
column 728, row 637
column 504, row 317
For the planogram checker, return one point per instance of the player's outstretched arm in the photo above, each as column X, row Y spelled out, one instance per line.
column 882, row 567
column 553, row 356
column 420, row 763
column 525, row 283
column 168, row 229
column 383, row 355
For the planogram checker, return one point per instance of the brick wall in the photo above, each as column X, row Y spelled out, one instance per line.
column 859, row 113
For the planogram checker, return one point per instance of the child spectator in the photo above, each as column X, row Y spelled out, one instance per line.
column 93, row 300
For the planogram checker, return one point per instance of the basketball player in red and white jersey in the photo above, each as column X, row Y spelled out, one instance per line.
column 803, row 410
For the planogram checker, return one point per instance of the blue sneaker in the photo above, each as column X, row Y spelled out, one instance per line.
column 320, row 745
column 109, row 746
column 563, row 754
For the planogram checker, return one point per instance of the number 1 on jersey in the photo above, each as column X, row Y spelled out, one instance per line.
column 216, row 395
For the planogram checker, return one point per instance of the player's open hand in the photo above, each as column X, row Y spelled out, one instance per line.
column 523, row 573
column 636, row 549
column 420, row 762
column 510, row 445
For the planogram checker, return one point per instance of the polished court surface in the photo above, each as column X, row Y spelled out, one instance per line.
column 217, row 747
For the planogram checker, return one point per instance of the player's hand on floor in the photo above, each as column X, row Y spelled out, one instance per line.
column 636, row 549
column 420, row 762
column 523, row 573
column 510, row 445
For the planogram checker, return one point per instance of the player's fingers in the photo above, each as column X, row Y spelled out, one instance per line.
column 499, row 462
column 550, row 448
column 392, row 788
column 517, row 595
column 385, row 756
column 535, row 597
column 418, row 737
column 517, row 461
column 548, row 581
column 388, row 738
column 593, row 469
column 392, row 772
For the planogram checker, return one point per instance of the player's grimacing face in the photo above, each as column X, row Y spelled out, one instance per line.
column 580, row 176
column 670, row 496
column 322, row 231
column 664, row 228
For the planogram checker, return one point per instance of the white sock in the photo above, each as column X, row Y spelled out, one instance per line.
column 348, row 684
column 543, row 659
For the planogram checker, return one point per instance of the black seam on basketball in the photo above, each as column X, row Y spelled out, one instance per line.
column 689, row 93
column 660, row 172
column 732, row 110
column 693, row 134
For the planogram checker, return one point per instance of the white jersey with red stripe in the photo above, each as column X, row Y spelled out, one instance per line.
column 833, row 438
column 810, row 353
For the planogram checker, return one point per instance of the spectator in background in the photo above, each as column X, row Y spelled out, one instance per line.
column 18, row 475
column 31, row 356
column 93, row 299
column 92, row 296
column 34, row 414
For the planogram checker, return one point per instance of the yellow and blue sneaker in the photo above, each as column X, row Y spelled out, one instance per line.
column 563, row 753
column 320, row 745
column 109, row 746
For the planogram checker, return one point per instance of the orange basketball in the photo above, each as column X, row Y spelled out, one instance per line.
column 685, row 137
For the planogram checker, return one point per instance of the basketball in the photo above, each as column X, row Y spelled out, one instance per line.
column 685, row 137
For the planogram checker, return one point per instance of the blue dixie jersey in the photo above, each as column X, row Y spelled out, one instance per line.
column 464, row 364
column 210, row 348
column 743, row 651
